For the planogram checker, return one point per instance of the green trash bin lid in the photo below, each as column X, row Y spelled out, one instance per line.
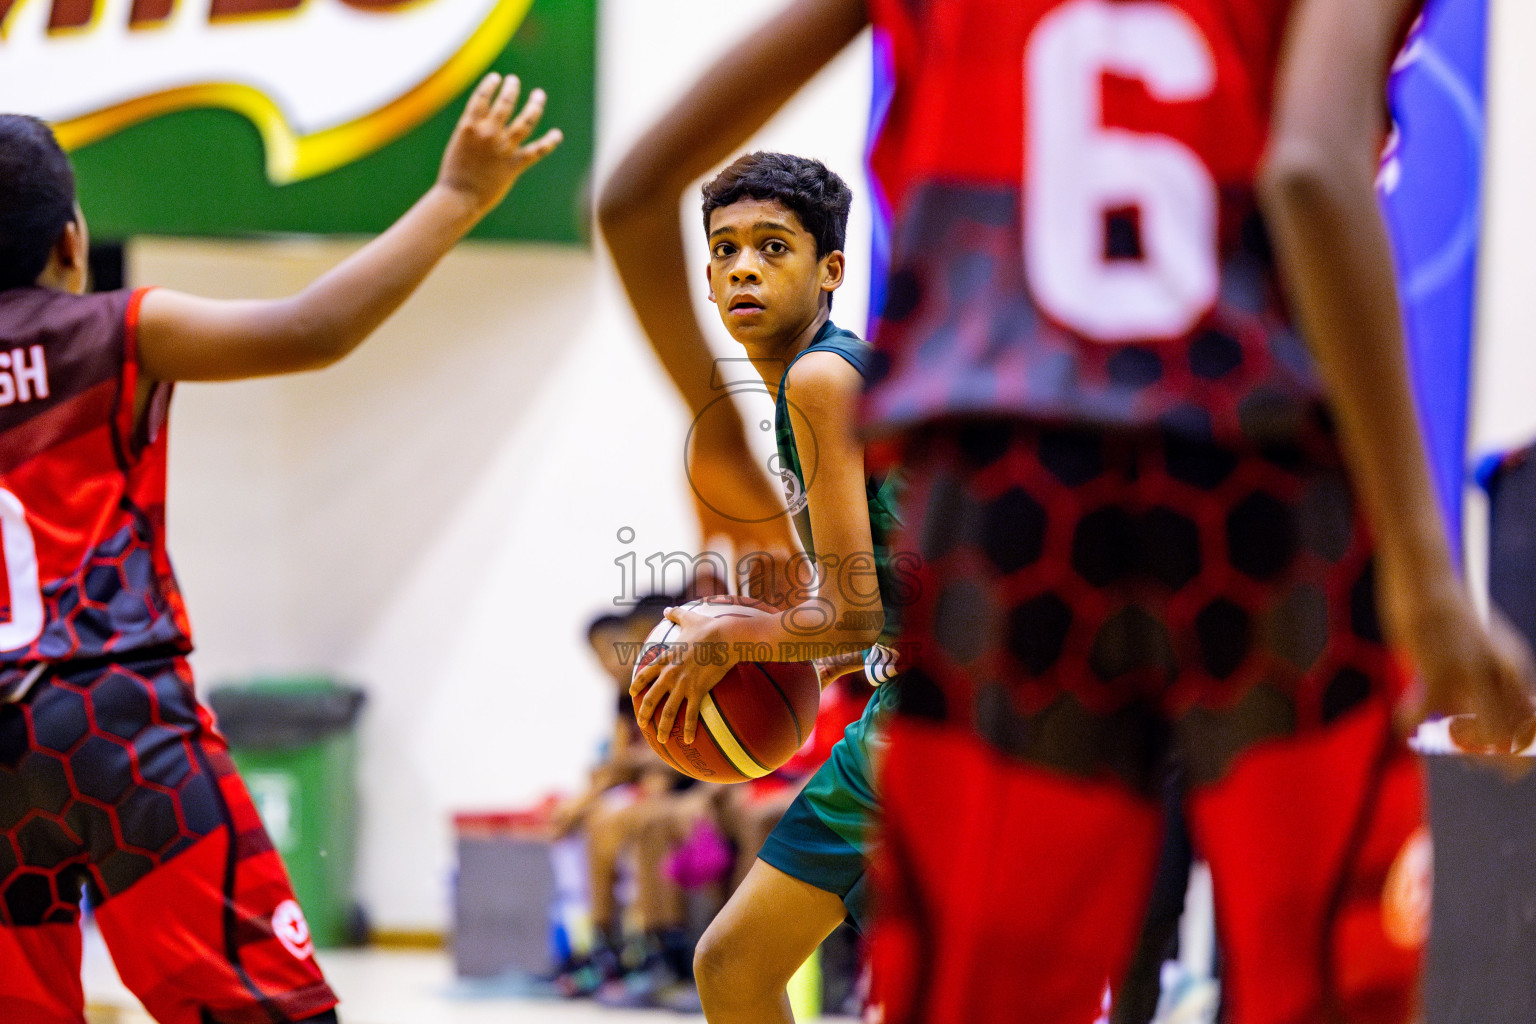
column 284, row 713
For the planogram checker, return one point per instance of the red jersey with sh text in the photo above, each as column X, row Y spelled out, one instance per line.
column 1076, row 233
column 82, row 485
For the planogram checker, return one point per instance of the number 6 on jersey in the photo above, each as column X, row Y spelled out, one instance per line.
column 1078, row 170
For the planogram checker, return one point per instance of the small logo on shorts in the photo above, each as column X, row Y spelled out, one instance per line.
column 292, row 930
column 1406, row 897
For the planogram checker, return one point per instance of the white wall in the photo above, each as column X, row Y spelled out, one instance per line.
column 436, row 517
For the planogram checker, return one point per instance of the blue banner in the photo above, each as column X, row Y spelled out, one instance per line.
column 883, row 90
column 1431, row 185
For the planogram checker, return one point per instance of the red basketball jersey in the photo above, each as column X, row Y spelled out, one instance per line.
column 1076, row 236
column 82, row 487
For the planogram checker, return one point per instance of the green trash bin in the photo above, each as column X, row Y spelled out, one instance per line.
column 295, row 743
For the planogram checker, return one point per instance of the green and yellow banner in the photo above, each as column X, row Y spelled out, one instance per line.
column 238, row 117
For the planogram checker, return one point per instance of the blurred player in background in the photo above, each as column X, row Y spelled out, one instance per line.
column 636, row 804
column 1150, row 516
column 776, row 226
column 111, row 776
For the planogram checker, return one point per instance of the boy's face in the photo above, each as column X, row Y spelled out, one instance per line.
column 764, row 274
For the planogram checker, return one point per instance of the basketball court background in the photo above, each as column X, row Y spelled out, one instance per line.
column 395, row 522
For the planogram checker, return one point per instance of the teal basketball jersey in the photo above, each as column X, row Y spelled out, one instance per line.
column 881, row 490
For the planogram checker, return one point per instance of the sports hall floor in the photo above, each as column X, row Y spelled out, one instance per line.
column 379, row 987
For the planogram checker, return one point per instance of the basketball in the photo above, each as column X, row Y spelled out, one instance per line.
column 754, row 719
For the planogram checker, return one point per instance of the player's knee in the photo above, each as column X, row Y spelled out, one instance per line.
column 726, row 970
column 711, row 959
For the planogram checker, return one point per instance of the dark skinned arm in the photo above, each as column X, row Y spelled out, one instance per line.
column 185, row 337
column 1317, row 187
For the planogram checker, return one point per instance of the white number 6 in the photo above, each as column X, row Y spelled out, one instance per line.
column 1077, row 170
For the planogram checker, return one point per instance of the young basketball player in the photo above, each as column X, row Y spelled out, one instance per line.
column 1149, row 513
column 776, row 225
column 111, row 776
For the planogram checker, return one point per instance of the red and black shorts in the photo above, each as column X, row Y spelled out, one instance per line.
column 1087, row 605
column 113, row 781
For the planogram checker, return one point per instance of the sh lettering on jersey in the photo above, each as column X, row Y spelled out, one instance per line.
column 23, row 375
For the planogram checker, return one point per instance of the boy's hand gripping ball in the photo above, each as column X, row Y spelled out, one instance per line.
column 753, row 720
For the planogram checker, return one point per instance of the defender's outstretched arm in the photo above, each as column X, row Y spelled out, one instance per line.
column 184, row 337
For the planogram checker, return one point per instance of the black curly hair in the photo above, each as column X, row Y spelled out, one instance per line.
column 817, row 196
column 37, row 198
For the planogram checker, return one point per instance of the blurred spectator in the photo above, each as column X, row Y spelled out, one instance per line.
column 635, row 806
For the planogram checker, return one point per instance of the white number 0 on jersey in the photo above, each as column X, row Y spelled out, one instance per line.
column 1077, row 169
column 26, row 621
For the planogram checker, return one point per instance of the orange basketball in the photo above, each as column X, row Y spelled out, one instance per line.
column 754, row 719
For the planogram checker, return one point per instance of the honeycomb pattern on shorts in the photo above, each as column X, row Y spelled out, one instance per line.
column 1085, row 590
column 115, row 601
column 100, row 782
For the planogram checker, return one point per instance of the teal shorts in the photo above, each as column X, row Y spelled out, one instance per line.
column 823, row 839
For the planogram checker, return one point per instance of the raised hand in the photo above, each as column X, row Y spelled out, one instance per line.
column 487, row 153
column 184, row 337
